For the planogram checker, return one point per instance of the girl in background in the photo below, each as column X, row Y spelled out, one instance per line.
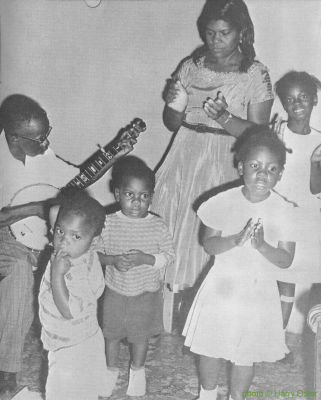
column 301, row 182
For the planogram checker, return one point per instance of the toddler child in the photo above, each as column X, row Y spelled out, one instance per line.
column 70, row 287
column 236, row 314
column 138, row 249
column 301, row 181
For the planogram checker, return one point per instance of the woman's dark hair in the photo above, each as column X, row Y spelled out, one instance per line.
column 234, row 12
column 18, row 109
column 132, row 167
column 310, row 82
column 256, row 136
column 78, row 202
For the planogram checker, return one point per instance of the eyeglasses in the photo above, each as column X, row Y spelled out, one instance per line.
column 39, row 140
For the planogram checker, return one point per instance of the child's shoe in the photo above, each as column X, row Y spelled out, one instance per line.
column 137, row 382
column 111, row 379
column 208, row 394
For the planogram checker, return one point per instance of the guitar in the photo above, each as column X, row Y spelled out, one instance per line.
column 32, row 231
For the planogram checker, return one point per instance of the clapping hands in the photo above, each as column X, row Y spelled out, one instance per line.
column 215, row 108
column 252, row 231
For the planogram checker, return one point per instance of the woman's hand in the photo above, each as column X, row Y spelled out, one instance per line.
column 316, row 155
column 215, row 108
column 245, row 234
column 177, row 96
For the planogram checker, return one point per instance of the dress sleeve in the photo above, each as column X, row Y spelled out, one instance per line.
column 260, row 89
column 213, row 212
column 183, row 72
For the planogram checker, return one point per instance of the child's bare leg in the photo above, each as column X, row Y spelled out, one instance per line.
column 209, row 369
column 241, row 379
column 112, row 352
column 287, row 292
column 139, row 353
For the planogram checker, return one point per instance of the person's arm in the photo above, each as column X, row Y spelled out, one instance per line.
column 176, row 103
column 10, row 215
column 214, row 243
column 59, row 267
column 315, row 171
column 281, row 256
column 257, row 114
column 172, row 119
column 106, row 259
column 136, row 258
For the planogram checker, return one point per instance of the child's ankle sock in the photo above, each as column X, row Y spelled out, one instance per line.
column 137, row 382
column 111, row 379
column 208, row 394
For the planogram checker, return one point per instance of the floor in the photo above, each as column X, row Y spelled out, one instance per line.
column 171, row 369
column 172, row 374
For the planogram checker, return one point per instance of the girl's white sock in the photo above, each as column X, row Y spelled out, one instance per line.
column 208, row 394
column 137, row 382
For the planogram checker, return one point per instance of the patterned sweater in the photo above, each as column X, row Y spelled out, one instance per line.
column 150, row 235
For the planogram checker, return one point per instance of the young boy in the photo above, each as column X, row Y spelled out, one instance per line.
column 70, row 287
column 138, row 249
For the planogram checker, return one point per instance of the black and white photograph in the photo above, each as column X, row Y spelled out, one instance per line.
column 160, row 199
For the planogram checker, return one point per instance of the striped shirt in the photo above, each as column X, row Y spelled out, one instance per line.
column 149, row 235
column 85, row 284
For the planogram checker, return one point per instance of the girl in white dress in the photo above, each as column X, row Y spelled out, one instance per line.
column 301, row 182
column 236, row 314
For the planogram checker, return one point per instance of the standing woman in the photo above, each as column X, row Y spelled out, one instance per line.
column 216, row 93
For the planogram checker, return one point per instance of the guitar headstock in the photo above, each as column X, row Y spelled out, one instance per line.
column 133, row 129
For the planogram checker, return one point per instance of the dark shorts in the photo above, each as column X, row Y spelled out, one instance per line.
column 135, row 318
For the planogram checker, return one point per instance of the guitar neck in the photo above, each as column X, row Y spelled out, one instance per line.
column 92, row 168
column 96, row 165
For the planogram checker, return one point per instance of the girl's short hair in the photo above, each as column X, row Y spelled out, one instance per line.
column 256, row 136
column 18, row 109
column 77, row 202
column 132, row 167
column 236, row 13
column 310, row 82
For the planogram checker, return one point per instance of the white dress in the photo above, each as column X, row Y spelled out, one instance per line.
column 236, row 314
column 295, row 187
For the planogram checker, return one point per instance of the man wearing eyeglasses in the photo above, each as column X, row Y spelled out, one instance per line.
column 25, row 159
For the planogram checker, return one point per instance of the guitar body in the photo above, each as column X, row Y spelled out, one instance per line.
column 32, row 231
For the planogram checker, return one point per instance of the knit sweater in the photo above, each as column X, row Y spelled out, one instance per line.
column 149, row 235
